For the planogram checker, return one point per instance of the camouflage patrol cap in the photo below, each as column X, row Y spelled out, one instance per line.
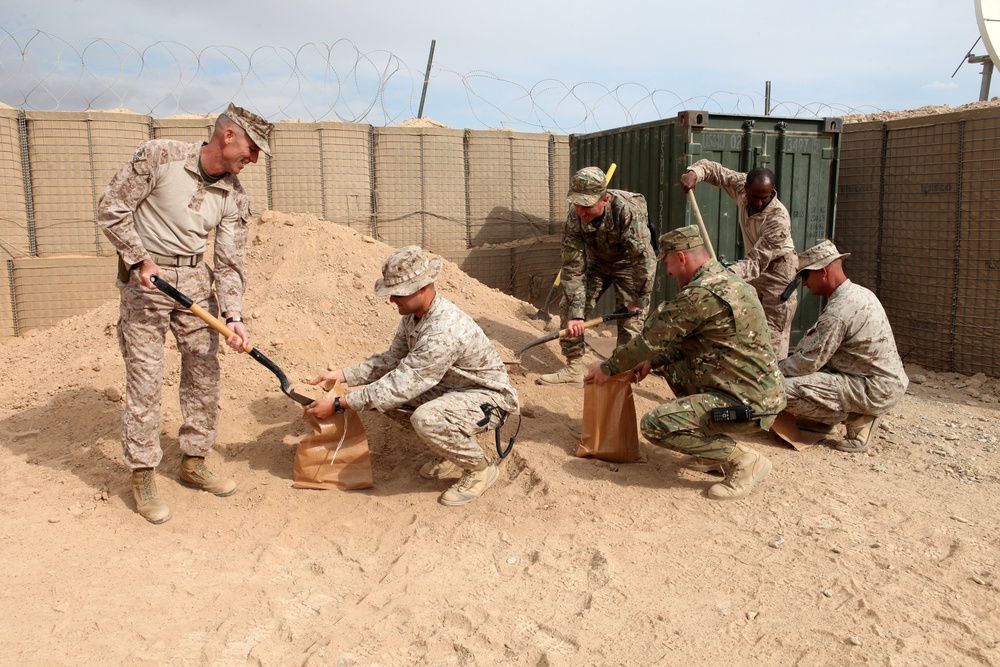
column 587, row 186
column 820, row 255
column 406, row 271
column 683, row 238
column 256, row 127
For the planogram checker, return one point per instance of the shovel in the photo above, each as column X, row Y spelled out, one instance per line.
column 543, row 314
column 562, row 333
column 216, row 324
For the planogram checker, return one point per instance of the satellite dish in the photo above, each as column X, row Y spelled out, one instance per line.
column 988, row 18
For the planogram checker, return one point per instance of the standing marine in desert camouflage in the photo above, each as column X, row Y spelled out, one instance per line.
column 158, row 211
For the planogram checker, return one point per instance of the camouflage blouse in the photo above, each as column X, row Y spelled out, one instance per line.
column 443, row 351
column 715, row 333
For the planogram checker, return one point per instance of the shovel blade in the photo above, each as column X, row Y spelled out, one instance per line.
column 282, row 378
column 542, row 315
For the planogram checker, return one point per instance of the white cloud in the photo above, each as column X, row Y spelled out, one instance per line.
column 942, row 85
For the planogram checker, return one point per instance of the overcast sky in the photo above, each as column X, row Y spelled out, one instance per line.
column 857, row 55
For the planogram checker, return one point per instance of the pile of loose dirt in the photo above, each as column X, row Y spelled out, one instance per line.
column 888, row 557
column 883, row 116
column 420, row 122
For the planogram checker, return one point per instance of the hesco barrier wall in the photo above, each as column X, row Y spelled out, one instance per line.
column 918, row 208
column 491, row 201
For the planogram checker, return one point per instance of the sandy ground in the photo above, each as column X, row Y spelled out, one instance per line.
column 883, row 558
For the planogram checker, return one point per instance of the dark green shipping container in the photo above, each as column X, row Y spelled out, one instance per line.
column 802, row 152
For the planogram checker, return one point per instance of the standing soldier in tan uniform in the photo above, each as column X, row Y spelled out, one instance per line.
column 712, row 342
column 158, row 211
column 606, row 244
column 440, row 369
column 770, row 262
column 846, row 368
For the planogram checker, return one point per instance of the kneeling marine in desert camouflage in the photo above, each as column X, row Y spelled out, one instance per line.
column 846, row 368
column 440, row 370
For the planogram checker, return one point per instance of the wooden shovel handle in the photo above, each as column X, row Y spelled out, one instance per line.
column 701, row 223
column 209, row 319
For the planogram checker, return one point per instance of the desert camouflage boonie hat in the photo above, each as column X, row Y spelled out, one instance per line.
column 406, row 271
column 587, row 186
column 679, row 239
column 256, row 127
column 820, row 255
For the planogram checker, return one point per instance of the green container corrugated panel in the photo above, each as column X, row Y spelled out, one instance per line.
column 803, row 153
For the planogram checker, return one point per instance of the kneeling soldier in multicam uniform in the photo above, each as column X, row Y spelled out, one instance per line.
column 158, row 211
column 713, row 342
column 441, row 367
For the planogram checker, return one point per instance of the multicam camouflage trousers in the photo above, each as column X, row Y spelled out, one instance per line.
column 596, row 284
column 779, row 314
column 446, row 422
column 145, row 316
column 685, row 425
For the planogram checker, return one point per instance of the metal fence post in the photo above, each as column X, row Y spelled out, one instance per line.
column 29, row 195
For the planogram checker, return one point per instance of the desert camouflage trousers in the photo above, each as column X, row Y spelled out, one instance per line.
column 779, row 314
column 446, row 422
column 685, row 425
column 596, row 285
column 145, row 317
column 825, row 397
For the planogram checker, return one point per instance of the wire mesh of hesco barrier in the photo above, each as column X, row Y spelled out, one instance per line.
column 917, row 208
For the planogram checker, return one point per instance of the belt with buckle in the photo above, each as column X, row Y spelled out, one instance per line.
column 176, row 260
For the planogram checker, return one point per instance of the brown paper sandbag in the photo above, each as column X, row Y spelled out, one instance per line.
column 610, row 431
column 336, row 455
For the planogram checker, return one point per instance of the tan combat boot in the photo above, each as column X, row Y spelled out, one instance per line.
column 472, row 485
column 702, row 464
column 861, row 432
column 572, row 374
column 147, row 501
column 744, row 469
column 439, row 469
column 195, row 473
column 816, row 426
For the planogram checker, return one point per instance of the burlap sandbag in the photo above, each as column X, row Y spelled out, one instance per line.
column 336, row 455
column 610, row 430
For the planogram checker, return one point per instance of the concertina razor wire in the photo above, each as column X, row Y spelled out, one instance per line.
column 318, row 82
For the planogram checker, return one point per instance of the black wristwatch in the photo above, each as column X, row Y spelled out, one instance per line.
column 233, row 318
column 337, row 407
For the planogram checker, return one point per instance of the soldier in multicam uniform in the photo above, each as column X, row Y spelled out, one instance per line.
column 846, row 368
column 158, row 211
column 713, row 343
column 606, row 244
column 440, row 369
column 770, row 262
